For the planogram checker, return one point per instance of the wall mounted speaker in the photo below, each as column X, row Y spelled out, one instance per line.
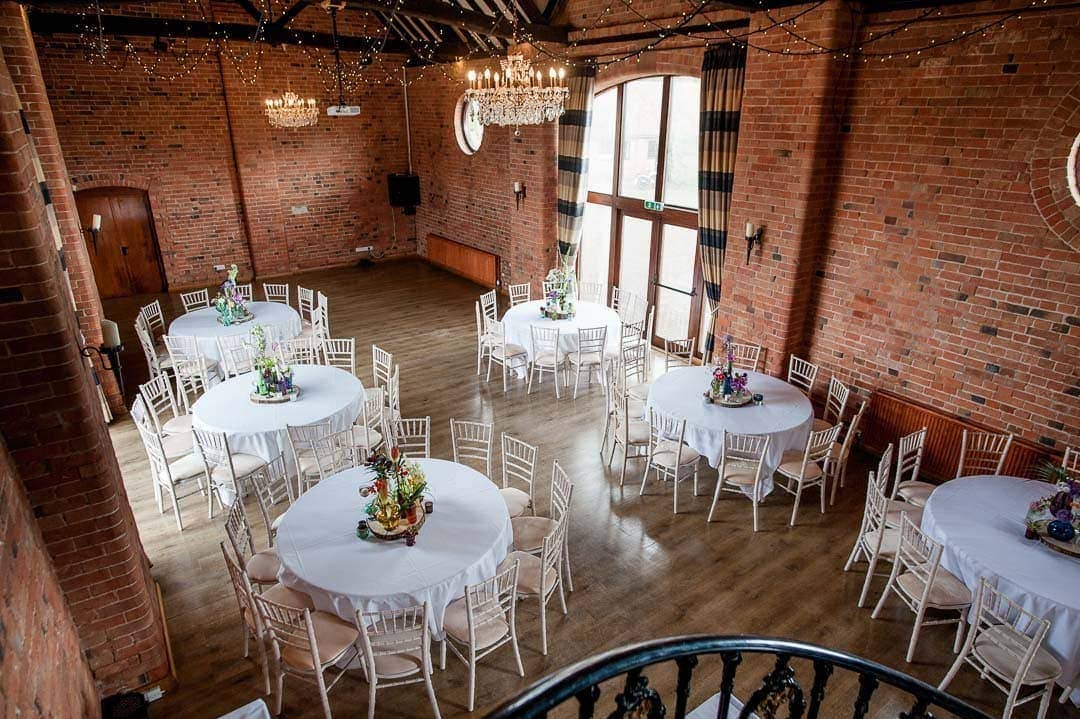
column 404, row 189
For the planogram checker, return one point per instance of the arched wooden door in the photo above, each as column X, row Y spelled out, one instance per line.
column 124, row 253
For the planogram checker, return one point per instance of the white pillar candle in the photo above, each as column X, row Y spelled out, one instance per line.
column 749, row 229
column 95, row 222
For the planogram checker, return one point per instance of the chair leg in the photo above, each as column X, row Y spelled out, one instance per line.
column 951, row 674
column 625, row 459
column 543, row 626
column 959, row 631
column 431, row 696
column 795, row 509
column 491, row 358
column 1044, row 704
column 280, row 686
column 855, row 551
column 264, row 658
column 754, row 504
column 915, row 630
column 869, row 579
column 472, row 678
column 715, row 496
column 517, row 650
column 645, row 476
column 531, row 370
column 822, row 488
column 442, row 655
column 1065, row 694
column 566, row 562
column 322, row 693
column 577, row 378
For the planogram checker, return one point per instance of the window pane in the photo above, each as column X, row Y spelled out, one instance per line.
column 680, row 163
column 677, row 250
column 642, row 100
column 634, row 251
column 601, row 152
column 595, row 244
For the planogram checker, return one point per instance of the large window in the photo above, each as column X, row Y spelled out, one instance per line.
column 643, row 150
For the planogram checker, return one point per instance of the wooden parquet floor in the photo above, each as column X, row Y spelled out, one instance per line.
column 639, row 571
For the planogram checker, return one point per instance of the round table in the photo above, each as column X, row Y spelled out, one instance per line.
column 462, row 542
column 786, row 415
column 326, row 394
column 980, row 520
column 519, row 319
column 280, row 321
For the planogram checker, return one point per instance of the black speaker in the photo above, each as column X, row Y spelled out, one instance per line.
column 404, row 189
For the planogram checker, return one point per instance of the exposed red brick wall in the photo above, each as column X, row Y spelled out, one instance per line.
column 470, row 198
column 20, row 55
column 51, row 422
column 202, row 148
column 42, row 670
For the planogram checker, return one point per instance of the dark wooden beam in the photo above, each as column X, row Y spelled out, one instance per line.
column 740, row 24
column 287, row 16
column 250, row 9
column 441, row 12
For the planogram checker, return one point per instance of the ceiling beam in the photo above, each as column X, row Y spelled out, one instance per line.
column 441, row 12
column 49, row 23
column 287, row 16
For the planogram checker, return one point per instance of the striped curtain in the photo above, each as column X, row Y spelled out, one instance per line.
column 573, row 165
column 722, row 74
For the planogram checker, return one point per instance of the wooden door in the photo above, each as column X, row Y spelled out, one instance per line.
column 125, row 253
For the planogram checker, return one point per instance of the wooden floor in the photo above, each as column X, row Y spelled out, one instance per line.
column 639, row 571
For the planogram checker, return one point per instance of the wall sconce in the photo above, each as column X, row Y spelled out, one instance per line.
column 95, row 230
column 519, row 194
column 753, row 237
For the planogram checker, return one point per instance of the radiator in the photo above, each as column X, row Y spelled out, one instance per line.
column 477, row 265
column 890, row 417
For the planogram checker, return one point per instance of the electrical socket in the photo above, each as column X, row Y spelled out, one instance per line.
column 365, row 248
column 153, row 694
column 219, row 268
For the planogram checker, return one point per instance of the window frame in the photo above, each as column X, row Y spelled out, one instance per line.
column 634, row 207
column 464, row 145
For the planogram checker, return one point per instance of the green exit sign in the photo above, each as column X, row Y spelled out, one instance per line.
column 654, row 206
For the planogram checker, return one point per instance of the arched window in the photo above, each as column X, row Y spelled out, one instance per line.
column 640, row 224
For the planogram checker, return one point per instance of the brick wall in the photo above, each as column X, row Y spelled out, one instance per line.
column 222, row 183
column 50, row 420
column 470, row 198
column 36, row 629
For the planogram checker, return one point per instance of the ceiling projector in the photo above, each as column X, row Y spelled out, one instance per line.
column 343, row 110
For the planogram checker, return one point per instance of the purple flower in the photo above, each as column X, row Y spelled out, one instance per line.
column 1064, row 515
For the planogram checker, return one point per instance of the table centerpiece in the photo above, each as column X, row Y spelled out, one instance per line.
column 273, row 382
column 559, row 300
column 229, row 303
column 396, row 510
column 1055, row 518
column 728, row 387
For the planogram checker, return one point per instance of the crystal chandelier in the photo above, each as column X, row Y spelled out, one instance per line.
column 519, row 96
column 290, row 110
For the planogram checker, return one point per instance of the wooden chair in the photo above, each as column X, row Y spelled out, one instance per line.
column 471, row 442
column 396, row 646
column 260, row 566
column 175, row 446
column 370, row 427
column 541, row 577
column 908, row 461
column 484, row 340
column 669, row 456
column 237, row 355
column 154, row 318
column 627, row 431
column 482, row 621
column 251, row 624
column 982, row 453
column 186, row 350
column 591, row 292
column 245, row 292
column 678, row 353
column 875, row 542
column 226, row 470
column 413, row 437
column 589, row 355
column 835, row 404
column 298, row 350
column 276, row 292
column 157, row 358
column 314, row 455
column 305, row 305
column 1005, row 645
column 742, row 466
column 271, row 487
column 520, row 293
column 546, row 355
column 171, row 477
column 508, row 356
column 840, row 453
column 1070, row 462
column 306, row 644
column 746, row 357
column 195, row 300
column 801, row 470
column 489, row 305
column 921, row 583
column 158, row 395
column 382, row 364
column 393, row 396
column 802, row 374
column 519, row 465
column 340, row 353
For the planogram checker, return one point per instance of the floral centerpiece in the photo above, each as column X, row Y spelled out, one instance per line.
column 728, row 386
column 229, row 303
column 1057, row 515
column 273, row 378
column 559, row 299
column 396, row 509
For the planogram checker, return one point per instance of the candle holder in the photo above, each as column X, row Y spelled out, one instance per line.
column 753, row 237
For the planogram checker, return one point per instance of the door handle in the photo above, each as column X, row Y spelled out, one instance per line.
column 123, row 250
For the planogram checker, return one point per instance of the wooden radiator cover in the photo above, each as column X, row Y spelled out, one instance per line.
column 891, row 416
column 477, row 265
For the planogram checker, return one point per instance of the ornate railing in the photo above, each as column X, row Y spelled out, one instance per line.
column 780, row 687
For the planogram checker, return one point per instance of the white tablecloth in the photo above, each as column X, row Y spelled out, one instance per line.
column 786, row 415
column 980, row 520
column 326, row 393
column 462, row 542
column 518, row 320
column 280, row 319
column 255, row 710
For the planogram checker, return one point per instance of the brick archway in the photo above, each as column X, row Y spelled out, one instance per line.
column 1049, row 170
column 658, row 62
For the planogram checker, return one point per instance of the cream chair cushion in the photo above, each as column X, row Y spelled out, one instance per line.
column 889, row 544
column 915, row 492
column 177, row 445
column 243, row 465
column 263, row 566
column 332, row 634
column 528, row 572
column 391, row 666
column 283, row 595
column 178, row 425
column 741, row 474
column 820, row 424
column 508, row 350
column 637, row 432
column 946, row 591
column 793, row 469
column 639, row 391
column 1043, row 667
column 186, row 467
column 587, row 358
column 665, row 452
column 516, row 501
column 546, row 359
column 529, row 532
column 489, row 629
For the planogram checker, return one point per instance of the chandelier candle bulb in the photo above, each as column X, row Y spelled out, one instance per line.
column 516, row 94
